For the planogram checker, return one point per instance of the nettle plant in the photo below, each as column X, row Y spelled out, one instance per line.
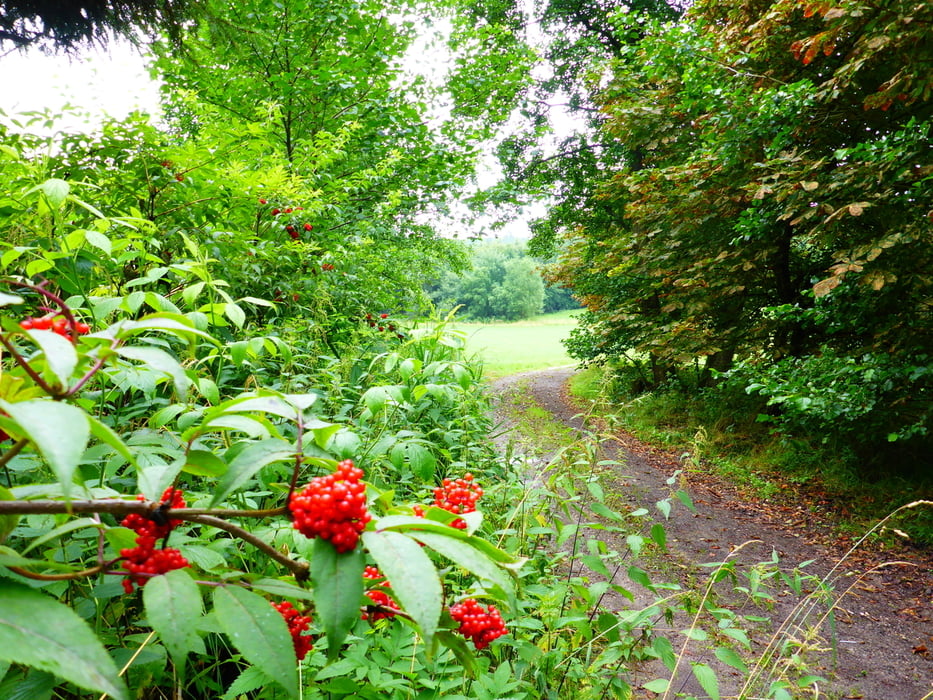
column 216, row 531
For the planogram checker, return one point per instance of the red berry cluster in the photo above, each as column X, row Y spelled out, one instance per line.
column 56, row 325
column 478, row 623
column 381, row 325
column 458, row 496
column 378, row 597
column 332, row 507
column 144, row 561
column 291, row 229
column 297, row 623
column 327, row 267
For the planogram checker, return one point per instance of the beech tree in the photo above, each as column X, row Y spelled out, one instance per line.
column 776, row 204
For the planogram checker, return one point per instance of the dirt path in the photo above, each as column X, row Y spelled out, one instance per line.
column 884, row 622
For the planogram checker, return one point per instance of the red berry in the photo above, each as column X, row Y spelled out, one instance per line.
column 379, row 598
column 288, row 210
column 180, row 177
column 332, row 507
column 297, row 623
column 308, row 227
column 262, row 201
column 458, row 496
column 383, row 315
column 480, row 624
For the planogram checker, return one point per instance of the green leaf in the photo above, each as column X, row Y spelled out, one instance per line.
column 684, row 498
column 338, row 591
column 282, row 589
column 665, row 651
column 657, row 686
column 9, row 299
column 235, row 314
column 7, row 522
column 156, row 476
column 161, row 361
column 414, row 525
column 659, row 535
column 250, row 679
column 203, row 463
column 174, row 324
column 422, row 460
column 40, row 632
column 730, row 658
column 98, row 240
column 463, row 553
column 60, row 355
column 55, row 191
column 707, row 679
column 59, row 431
column 413, row 577
column 69, row 526
column 106, row 435
column 173, row 608
column 259, row 632
column 247, row 463
column 635, row 543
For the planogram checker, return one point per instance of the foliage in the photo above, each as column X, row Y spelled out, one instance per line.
column 67, row 25
column 503, row 283
column 788, row 219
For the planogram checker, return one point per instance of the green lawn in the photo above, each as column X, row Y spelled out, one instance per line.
column 507, row 348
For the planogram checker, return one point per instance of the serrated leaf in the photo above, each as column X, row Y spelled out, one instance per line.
column 247, row 463
column 463, row 553
column 98, row 240
column 60, row 355
column 250, row 679
column 173, row 608
column 665, row 651
column 40, row 632
column 657, row 686
column 70, row 526
column 161, row 361
column 338, row 591
column 174, row 324
column 282, row 589
column 413, row 578
column 156, row 476
column 59, row 431
column 707, row 679
column 106, row 435
column 684, row 498
column 422, row 460
column 659, row 535
column 259, row 632
column 730, row 658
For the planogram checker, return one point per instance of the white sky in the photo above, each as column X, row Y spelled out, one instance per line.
column 112, row 83
column 115, row 81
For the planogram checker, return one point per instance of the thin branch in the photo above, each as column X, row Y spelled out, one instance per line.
column 299, row 569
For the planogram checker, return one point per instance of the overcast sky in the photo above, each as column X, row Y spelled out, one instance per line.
column 114, row 82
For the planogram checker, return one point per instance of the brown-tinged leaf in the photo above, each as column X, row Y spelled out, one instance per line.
column 824, row 287
column 834, row 13
column 856, row 209
column 809, row 186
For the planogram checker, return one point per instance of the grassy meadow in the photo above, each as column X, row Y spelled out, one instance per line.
column 507, row 348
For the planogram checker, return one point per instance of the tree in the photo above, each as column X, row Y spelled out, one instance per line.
column 779, row 206
column 504, row 283
column 66, row 25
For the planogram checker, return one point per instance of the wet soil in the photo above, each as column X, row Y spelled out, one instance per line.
column 878, row 645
